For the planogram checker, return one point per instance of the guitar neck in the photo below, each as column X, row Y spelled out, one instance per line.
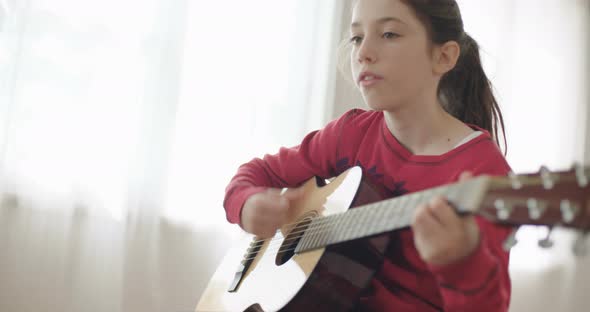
column 385, row 216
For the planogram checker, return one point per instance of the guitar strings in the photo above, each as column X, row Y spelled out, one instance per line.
column 322, row 228
column 300, row 230
column 326, row 220
column 319, row 224
column 288, row 247
column 320, row 221
column 319, row 227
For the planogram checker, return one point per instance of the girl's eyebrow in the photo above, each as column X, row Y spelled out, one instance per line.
column 380, row 21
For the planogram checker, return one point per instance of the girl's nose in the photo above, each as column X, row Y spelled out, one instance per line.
column 365, row 59
column 366, row 54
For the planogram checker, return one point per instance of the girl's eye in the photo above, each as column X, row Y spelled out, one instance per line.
column 390, row 35
column 355, row 40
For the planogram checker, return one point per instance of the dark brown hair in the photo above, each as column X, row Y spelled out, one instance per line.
column 465, row 91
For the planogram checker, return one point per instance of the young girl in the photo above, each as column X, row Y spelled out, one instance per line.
column 432, row 119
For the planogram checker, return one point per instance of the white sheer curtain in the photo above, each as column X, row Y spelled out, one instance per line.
column 88, row 99
column 248, row 87
column 114, row 105
column 119, row 120
column 536, row 54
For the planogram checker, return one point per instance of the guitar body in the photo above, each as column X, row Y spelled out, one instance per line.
column 326, row 279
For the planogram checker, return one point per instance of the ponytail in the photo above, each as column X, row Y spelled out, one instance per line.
column 467, row 92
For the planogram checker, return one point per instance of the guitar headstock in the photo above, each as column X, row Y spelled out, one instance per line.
column 545, row 198
column 559, row 198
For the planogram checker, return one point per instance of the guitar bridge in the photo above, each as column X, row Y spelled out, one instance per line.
column 251, row 253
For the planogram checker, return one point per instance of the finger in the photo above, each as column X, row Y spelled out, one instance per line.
column 443, row 212
column 293, row 193
column 266, row 234
column 272, row 205
column 279, row 207
column 424, row 222
column 272, row 220
column 264, row 227
column 465, row 175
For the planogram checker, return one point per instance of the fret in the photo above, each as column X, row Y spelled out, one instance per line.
column 403, row 203
column 370, row 227
column 326, row 232
column 359, row 222
column 332, row 227
column 336, row 228
column 415, row 199
column 401, row 212
column 345, row 230
column 376, row 210
column 355, row 223
column 388, row 216
column 383, row 216
column 352, row 223
column 344, row 226
column 364, row 225
column 453, row 194
column 319, row 232
column 311, row 232
column 303, row 243
column 316, row 232
column 407, row 214
column 408, row 210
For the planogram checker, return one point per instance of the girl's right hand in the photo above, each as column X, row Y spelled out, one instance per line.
column 263, row 213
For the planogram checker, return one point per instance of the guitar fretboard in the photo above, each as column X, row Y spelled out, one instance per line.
column 381, row 217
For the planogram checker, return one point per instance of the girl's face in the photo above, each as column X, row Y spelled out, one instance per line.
column 391, row 54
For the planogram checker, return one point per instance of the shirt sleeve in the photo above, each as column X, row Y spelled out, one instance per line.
column 290, row 167
column 480, row 281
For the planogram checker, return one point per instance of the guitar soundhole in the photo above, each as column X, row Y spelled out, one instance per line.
column 287, row 249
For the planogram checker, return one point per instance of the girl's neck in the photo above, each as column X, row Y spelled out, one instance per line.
column 426, row 129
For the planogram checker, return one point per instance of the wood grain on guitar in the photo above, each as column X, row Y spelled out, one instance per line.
column 326, row 254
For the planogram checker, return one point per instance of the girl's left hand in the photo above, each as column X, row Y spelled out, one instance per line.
column 440, row 235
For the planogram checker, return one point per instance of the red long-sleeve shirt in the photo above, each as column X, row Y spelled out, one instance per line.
column 479, row 282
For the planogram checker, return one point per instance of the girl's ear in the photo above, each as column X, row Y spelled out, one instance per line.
column 446, row 57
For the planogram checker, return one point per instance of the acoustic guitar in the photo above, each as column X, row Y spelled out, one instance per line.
column 326, row 254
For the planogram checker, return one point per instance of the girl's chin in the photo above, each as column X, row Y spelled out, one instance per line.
column 378, row 105
column 381, row 102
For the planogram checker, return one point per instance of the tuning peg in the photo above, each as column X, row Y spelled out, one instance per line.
column 546, row 177
column 581, row 175
column 503, row 210
column 536, row 209
column 546, row 242
column 514, row 180
column 568, row 211
column 580, row 246
column 511, row 240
